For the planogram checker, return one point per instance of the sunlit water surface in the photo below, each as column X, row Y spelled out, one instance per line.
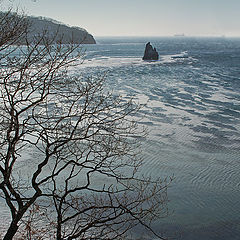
column 192, row 111
column 192, row 97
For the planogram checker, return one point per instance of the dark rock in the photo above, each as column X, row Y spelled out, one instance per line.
column 150, row 53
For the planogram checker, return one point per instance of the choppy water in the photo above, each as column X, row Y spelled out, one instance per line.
column 193, row 114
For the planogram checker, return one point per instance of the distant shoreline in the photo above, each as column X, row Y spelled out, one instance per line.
column 167, row 36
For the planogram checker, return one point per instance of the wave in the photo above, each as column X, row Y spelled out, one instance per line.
column 106, row 61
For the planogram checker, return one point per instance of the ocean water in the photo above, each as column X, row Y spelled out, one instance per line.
column 192, row 111
column 191, row 100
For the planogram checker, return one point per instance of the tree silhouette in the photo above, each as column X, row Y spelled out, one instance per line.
column 69, row 150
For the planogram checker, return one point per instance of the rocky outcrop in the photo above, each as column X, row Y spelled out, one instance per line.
column 150, row 53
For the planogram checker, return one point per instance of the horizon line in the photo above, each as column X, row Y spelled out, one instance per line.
column 173, row 36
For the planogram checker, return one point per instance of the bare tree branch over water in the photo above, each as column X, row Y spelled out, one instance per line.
column 69, row 151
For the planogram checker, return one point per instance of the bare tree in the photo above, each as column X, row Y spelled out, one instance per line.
column 69, row 150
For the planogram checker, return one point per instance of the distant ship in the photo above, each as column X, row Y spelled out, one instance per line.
column 179, row 35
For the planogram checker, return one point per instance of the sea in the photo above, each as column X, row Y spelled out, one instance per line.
column 190, row 102
column 191, row 107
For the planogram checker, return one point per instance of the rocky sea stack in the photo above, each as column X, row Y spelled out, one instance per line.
column 150, row 53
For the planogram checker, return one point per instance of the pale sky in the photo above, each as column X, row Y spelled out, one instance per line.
column 141, row 17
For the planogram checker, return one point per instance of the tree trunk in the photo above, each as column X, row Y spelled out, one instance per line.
column 11, row 231
column 59, row 230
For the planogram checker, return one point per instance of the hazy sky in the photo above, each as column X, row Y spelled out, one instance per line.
column 142, row 17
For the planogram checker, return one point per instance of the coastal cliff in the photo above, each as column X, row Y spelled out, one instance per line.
column 57, row 31
column 64, row 32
